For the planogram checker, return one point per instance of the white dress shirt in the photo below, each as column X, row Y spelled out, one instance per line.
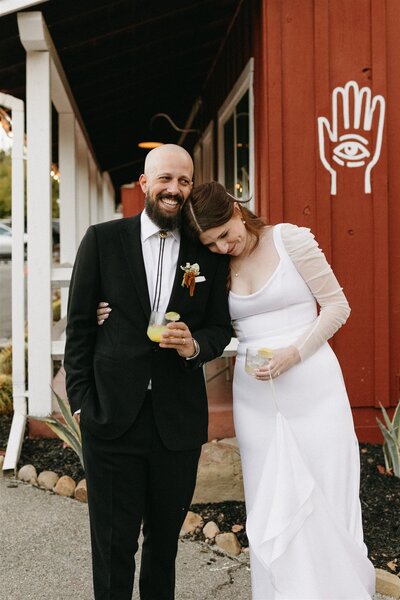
column 150, row 247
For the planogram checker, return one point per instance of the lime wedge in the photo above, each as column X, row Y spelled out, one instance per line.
column 265, row 353
column 172, row 316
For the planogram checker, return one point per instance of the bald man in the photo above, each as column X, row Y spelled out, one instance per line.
column 143, row 406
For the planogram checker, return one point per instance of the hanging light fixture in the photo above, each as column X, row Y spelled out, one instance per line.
column 149, row 145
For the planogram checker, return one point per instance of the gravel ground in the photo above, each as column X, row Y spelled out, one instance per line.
column 380, row 496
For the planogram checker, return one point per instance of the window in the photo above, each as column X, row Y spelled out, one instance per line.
column 203, row 156
column 236, row 138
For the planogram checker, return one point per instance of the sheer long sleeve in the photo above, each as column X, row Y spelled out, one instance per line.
column 312, row 265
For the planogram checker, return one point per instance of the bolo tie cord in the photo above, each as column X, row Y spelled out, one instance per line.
column 157, row 291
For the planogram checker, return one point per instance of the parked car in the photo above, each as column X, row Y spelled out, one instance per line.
column 6, row 241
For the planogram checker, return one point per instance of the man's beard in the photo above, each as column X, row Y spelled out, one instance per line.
column 161, row 219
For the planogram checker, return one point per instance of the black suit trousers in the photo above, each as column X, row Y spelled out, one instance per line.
column 130, row 480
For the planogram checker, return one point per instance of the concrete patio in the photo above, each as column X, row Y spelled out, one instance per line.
column 45, row 553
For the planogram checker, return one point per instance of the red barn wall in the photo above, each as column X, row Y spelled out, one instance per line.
column 303, row 50
column 132, row 199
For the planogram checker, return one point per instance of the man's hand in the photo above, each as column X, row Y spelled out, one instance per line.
column 179, row 338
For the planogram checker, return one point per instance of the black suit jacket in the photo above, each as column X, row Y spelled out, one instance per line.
column 108, row 368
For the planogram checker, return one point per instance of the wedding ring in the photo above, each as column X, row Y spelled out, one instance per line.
column 278, row 373
column 183, row 340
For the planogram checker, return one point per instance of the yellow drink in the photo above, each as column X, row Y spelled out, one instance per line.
column 155, row 332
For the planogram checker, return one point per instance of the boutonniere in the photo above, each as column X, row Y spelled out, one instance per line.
column 190, row 276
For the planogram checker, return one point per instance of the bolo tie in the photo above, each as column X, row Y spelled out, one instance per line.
column 157, row 292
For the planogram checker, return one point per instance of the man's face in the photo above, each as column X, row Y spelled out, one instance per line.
column 167, row 186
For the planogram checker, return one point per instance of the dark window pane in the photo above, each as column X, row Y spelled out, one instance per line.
column 229, row 158
column 242, row 147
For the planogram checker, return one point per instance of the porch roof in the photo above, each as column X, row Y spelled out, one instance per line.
column 126, row 61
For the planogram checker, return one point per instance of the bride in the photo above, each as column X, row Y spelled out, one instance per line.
column 293, row 421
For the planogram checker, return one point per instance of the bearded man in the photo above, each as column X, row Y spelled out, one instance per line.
column 143, row 406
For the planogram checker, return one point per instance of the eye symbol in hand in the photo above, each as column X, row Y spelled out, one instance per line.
column 352, row 150
column 357, row 114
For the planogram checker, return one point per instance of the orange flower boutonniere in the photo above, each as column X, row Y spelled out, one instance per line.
column 189, row 276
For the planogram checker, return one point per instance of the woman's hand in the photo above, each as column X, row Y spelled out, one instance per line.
column 103, row 312
column 282, row 360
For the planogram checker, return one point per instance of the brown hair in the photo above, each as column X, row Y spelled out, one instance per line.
column 210, row 205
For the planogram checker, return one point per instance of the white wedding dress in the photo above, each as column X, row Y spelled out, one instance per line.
column 298, row 447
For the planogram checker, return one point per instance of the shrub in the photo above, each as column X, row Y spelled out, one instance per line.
column 56, row 309
column 6, row 394
column 6, row 360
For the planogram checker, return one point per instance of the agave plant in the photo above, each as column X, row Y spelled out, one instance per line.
column 391, row 434
column 67, row 429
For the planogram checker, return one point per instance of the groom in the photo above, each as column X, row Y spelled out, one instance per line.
column 143, row 404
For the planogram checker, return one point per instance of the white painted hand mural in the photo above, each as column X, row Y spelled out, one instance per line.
column 349, row 127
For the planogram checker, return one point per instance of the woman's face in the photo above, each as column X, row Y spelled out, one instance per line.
column 229, row 238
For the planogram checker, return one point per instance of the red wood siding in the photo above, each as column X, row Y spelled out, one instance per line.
column 132, row 199
column 303, row 50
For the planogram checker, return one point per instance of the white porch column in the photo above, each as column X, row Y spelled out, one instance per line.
column 108, row 198
column 18, row 259
column 94, row 213
column 18, row 279
column 68, row 187
column 82, row 171
column 39, row 231
column 99, row 185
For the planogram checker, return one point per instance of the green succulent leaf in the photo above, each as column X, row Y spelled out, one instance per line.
column 393, row 448
column 66, row 413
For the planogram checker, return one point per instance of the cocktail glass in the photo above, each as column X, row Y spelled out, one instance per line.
column 256, row 358
column 158, row 324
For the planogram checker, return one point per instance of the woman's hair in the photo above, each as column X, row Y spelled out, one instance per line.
column 210, row 205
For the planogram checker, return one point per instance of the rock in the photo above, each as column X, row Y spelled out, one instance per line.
column 191, row 522
column 387, row 584
column 28, row 473
column 65, row 486
column 48, row 479
column 219, row 476
column 81, row 491
column 229, row 543
column 1, row 464
column 236, row 528
column 210, row 530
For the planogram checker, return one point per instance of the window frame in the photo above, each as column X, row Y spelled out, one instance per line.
column 242, row 85
column 204, row 169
